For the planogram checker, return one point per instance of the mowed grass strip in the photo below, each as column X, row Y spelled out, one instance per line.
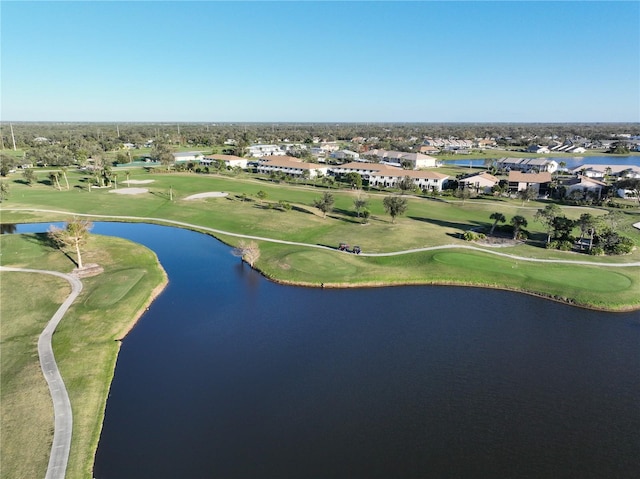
column 86, row 341
column 26, row 410
column 596, row 287
column 428, row 222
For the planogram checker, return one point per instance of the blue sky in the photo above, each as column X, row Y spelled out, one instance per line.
column 321, row 61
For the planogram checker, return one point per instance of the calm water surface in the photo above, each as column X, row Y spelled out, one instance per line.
column 572, row 162
column 231, row 376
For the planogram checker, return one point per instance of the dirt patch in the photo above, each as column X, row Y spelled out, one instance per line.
column 87, row 271
column 130, row 191
column 498, row 241
column 137, row 182
column 211, row 194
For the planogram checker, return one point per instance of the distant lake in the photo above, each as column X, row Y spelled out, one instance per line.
column 231, row 376
column 572, row 162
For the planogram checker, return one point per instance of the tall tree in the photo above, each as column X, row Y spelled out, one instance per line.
column 587, row 223
column 4, row 190
column 497, row 217
column 518, row 222
column 631, row 184
column 53, row 177
column 395, row 205
column 63, row 170
column 405, row 184
column 527, row 194
column 359, row 204
column 74, row 234
column 547, row 216
column 324, row 204
column 354, row 180
column 248, row 252
column 162, row 153
column 29, row 176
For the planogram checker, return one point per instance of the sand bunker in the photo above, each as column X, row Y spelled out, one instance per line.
column 130, row 191
column 137, row 182
column 212, row 194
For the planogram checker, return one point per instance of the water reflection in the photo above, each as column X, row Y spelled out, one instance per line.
column 229, row 375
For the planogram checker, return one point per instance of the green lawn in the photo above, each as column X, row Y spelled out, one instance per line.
column 85, row 344
column 428, row 222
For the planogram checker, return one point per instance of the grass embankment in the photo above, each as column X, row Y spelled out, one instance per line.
column 85, row 343
column 428, row 222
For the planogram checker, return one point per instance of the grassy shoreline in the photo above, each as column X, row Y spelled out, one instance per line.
column 86, row 343
column 429, row 222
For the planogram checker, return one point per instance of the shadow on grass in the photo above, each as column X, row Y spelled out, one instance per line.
column 45, row 241
column 450, row 224
column 342, row 218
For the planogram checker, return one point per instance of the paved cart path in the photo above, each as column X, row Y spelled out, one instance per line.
column 162, row 221
column 63, row 419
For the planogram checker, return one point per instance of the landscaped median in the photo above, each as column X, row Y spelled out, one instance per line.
column 85, row 343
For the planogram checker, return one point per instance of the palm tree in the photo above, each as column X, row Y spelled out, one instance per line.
column 64, row 174
column 4, row 190
column 518, row 222
column 498, row 218
column 587, row 223
column 53, row 176
column 547, row 217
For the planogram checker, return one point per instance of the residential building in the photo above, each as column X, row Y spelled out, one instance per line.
column 480, row 182
column 385, row 175
column 260, row 151
column 600, row 171
column 541, row 150
column 397, row 158
column 187, row 156
column 230, row 161
column 290, row 166
column 527, row 164
column 519, row 181
column 346, row 155
column 585, row 185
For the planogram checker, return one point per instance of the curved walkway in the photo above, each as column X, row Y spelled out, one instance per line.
column 309, row 245
column 63, row 419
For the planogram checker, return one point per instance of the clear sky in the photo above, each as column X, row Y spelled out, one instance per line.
column 321, row 61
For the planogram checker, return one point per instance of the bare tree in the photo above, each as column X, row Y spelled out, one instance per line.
column 248, row 252
column 74, row 234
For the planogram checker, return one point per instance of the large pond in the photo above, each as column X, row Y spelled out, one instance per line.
column 231, row 376
column 571, row 162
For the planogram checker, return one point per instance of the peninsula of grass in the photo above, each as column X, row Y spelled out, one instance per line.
column 429, row 222
column 85, row 343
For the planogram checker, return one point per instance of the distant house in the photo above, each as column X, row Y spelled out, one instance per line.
column 290, row 166
column 541, row 150
column 397, row 158
column 187, row 156
column 584, row 185
column 600, row 171
column 480, row 182
column 519, row 181
column 230, row 161
column 345, row 155
column 387, row 176
column 527, row 164
column 486, row 143
column 428, row 149
column 260, row 151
